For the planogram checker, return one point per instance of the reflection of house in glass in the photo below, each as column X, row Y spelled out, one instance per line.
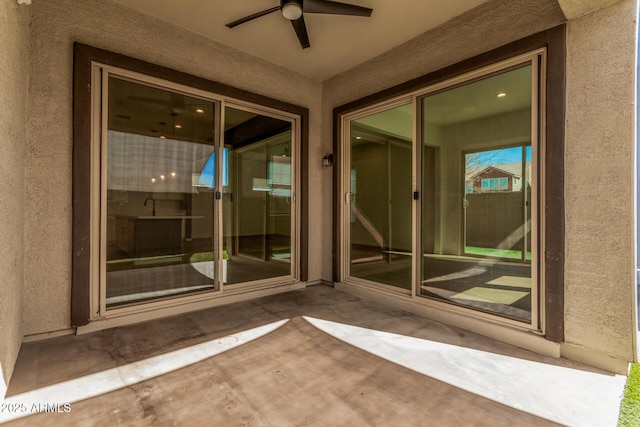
column 503, row 177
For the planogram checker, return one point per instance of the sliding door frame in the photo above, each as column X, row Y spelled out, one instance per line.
column 295, row 184
column 551, row 170
column 344, row 189
column 537, row 60
column 85, row 304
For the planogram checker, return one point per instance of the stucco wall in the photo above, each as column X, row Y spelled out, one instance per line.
column 55, row 26
column 14, row 39
column 599, row 266
column 486, row 27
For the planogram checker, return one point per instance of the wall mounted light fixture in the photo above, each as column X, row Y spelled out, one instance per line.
column 327, row 160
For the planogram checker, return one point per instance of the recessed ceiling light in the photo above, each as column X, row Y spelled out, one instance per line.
column 501, row 94
column 153, row 180
column 178, row 126
column 163, row 137
column 173, row 174
column 358, row 138
column 199, row 111
column 162, row 177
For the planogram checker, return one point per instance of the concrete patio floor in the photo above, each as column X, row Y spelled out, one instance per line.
column 312, row 357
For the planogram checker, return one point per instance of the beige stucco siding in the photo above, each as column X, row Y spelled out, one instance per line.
column 14, row 39
column 599, row 281
column 599, row 174
column 491, row 25
column 599, row 188
column 55, row 26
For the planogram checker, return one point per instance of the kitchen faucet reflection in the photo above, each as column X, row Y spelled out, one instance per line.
column 153, row 206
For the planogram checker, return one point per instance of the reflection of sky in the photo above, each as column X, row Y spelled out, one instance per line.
column 208, row 174
column 494, row 157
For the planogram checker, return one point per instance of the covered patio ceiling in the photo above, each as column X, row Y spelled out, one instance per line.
column 337, row 42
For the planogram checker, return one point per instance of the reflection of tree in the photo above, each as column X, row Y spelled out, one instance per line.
column 507, row 160
column 478, row 161
column 481, row 159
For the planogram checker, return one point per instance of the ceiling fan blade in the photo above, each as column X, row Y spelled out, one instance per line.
column 301, row 31
column 334, row 8
column 252, row 17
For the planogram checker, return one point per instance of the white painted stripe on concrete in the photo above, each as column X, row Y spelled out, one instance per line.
column 93, row 385
column 568, row 396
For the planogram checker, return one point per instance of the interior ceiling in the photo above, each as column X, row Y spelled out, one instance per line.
column 471, row 101
column 337, row 42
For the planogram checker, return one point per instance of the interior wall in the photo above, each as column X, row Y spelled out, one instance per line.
column 599, row 181
column 55, row 26
column 14, row 39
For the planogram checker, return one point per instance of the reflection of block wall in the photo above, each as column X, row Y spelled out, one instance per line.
column 495, row 220
column 454, row 140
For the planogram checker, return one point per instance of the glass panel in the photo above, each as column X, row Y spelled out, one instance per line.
column 380, row 229
column 477, row 182
column 159, row 193
column 257, row 201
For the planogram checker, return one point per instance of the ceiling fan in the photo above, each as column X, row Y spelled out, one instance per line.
column 294, row 11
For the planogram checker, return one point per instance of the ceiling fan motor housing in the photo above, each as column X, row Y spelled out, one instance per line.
column 291, row 9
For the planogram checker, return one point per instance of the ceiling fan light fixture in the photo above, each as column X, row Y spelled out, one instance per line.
column 292, row 11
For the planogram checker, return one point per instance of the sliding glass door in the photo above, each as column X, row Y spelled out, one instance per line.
column 379, row 209
column 159, row 239
column 450, row 215
column 258, row 196
column 477, row 164
column 194, row 193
